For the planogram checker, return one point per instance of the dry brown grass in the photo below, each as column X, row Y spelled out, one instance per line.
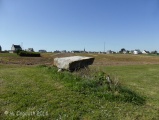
column 100, row 59
column 122, row 59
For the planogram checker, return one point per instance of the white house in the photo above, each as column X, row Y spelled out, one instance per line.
column 145, row 52
column 15, row 48
column 137, row 52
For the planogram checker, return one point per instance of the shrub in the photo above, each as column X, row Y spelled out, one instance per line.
column 29, row 54
column 18, row 51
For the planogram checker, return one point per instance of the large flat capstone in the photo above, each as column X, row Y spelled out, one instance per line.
column 73, row 63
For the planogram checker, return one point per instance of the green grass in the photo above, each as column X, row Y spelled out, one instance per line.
column 40, row 92
column 8, row 55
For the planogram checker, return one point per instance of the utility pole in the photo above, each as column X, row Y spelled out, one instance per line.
column 104, row 47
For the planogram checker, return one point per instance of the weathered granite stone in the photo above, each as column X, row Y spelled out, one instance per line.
column 73, row 63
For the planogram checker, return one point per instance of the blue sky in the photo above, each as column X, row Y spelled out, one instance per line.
column 75, row 24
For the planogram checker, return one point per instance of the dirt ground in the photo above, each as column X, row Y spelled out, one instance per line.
column 100, row 59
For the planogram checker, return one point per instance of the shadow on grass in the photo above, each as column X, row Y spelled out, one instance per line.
column 120, row 94
column 128, row 95
column 125, row 95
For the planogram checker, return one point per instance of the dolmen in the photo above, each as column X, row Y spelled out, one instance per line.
column 73, row 63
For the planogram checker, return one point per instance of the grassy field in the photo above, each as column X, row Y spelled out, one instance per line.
column 100, row 59
column 40, row 92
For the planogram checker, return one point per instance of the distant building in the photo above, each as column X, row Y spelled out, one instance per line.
column 100, row 52
column 145, row 52
column 109, row 52
column 154, row 52
column 126, row 51
column 84, row 51
column 113, row 52
column 137, row 51
column 14, row 48
column 57, row 51
column 30, row 50
column 0, row 48
column 63, row 51
column 42, row 51
column 75, row 51
column 131, row 52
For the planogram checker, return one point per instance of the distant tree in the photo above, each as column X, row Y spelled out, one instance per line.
column 122, row 50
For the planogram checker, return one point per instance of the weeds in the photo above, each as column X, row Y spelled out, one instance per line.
column 92, row 82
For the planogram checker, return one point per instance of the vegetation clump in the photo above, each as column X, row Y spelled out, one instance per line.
column 28, row 54
column 98, row 84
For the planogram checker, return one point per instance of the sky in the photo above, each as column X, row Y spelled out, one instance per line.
column 78, row 24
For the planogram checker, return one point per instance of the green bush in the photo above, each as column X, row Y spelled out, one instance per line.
column 18, row 51
column 28, row 54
